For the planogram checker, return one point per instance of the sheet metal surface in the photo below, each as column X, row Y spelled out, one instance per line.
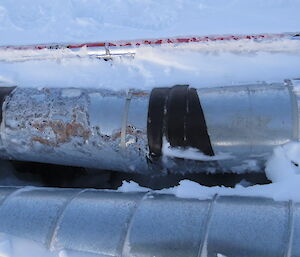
column 102, row 223
column 107, row 129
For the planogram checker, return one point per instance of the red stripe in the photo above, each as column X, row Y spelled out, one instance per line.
column 178, row 40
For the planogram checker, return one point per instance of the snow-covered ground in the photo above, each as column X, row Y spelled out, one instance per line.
column 36, row 21
column 32, row 21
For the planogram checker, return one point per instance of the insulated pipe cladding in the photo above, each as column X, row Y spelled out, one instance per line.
column 99, row 223
column 177, row 130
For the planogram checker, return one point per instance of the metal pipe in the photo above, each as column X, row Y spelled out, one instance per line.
column 85, row 127
column 103, row 223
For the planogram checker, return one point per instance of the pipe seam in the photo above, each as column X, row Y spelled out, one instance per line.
column 203, row 252
column 289, row 248
column 130, row 223
column 54, row 230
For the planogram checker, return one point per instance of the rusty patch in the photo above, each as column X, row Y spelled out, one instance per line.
column 63, row 131
column 43, row 141
column 130, row 130
column 140, row 93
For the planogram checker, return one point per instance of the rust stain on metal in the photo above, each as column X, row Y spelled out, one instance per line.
column 63, row 131
column 130, row 130
column 140, row 93
column 43, row 141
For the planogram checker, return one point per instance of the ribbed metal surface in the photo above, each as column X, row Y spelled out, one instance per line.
column 102, row 223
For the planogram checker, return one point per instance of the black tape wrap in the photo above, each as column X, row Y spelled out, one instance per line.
column 176, row 113
column 4, row 92
column 155, row 124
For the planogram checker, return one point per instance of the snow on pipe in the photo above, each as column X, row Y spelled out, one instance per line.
column 158, row 41
column 177, row 129
column 128, row 48
column 102, row 223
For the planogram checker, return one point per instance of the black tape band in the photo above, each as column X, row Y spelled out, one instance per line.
column 196, row 129
column 155, row 123
column 176, row 113
column 4, row 91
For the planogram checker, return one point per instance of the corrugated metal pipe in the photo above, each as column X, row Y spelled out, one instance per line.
column 174, row 130
column 99, row 223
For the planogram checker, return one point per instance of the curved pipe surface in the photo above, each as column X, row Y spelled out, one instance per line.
column 138, row 131
column 103, row 223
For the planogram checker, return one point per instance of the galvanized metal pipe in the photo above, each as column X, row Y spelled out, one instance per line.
column 102, row 223
column 108, row 130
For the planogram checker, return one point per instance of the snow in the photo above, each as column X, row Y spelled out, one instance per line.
column 154, row 67
column 284, row 162
column 131, row 187
column 285, row 190
column 282, row 168
column 200, row 65
column 191, row 153
column 32, row 21
column 36, row 21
